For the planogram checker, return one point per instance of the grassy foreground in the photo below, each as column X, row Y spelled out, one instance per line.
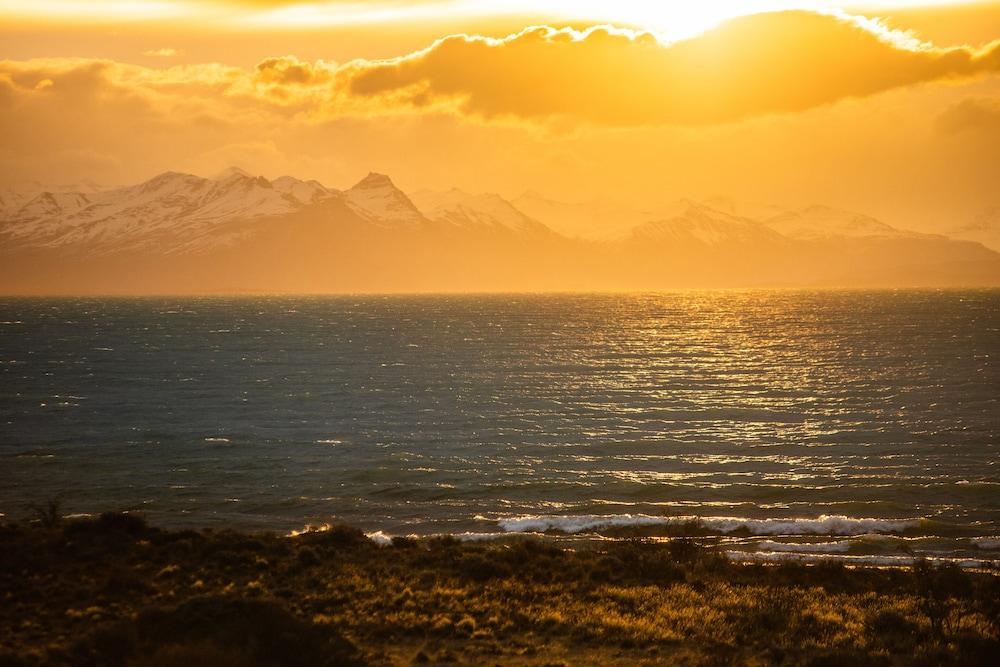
column 114, row 591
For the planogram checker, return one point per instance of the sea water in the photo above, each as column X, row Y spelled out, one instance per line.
column 860, row 425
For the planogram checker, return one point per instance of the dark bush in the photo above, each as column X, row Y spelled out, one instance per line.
column 108, row 524
column 337, row 537
column 264, row 631
column 401, row 542
column 48, row 515
column 684, row 551
column 307, row 557
column 483, row 567
column 891, row 629
column 124, row 522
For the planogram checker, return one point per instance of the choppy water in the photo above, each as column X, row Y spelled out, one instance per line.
column 864, row 425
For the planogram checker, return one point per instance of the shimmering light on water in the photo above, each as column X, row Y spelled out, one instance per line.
column 420, row 414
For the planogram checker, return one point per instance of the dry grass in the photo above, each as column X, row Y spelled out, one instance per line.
column 113, row 591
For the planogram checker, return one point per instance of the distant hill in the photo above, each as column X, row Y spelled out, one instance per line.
column 984, row 228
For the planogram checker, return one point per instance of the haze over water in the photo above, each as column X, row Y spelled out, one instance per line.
column 852, row 424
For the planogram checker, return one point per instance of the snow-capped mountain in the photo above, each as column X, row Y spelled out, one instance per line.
column 695, row 223
column 377, row 199
column 744, row 209
column 478, row 212
column 823, row 223
column 303, row 192
column 171, row 209
column 236, row 231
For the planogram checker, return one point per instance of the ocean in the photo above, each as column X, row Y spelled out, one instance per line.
column 857, row 425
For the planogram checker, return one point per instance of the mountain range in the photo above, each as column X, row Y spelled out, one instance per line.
column 236, row 232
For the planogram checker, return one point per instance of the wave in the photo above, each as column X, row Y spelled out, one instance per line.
column 899, row 561
column 989, row 543
column 823, row 525
column 380, row 538
column 384, row 539
column 479, row 537
column 809, row 547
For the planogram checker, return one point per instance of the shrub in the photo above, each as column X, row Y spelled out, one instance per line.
column 48, row 515
column 264, row 630
column 337, row 537
column 890, row 628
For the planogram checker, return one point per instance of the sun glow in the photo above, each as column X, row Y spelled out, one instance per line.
column 669, row 20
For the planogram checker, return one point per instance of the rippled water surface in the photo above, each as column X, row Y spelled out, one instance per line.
column 858, row 424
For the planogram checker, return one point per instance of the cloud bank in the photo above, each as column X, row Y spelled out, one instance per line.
column 767, row 63
column 764, row 64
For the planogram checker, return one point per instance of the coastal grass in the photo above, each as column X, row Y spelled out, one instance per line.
column 112, row 590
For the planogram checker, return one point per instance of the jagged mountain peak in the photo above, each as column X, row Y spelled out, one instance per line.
column 377, row 198
column 374, row 180
column 688, row 221
column 477, row 211
column 820, row 221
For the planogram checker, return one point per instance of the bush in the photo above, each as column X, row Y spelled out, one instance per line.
column 337, row 537
column 483, row 567
column 48, row 515
column 891, row 629
column 257, row 632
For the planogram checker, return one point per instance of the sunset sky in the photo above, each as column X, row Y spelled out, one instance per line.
column 888, row 107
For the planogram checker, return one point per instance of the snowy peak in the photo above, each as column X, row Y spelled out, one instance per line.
column 744, row 209
column 48, row 204
column 374, row 180
column 303, row 192
column 171, row 209
column 477, row 212
column 693, row 222
column 376, row 198
column 820, row 223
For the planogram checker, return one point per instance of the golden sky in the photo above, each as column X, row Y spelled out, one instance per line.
column 889, row 107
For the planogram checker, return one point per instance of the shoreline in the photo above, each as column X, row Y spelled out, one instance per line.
column 114, row 590
column 851, row 541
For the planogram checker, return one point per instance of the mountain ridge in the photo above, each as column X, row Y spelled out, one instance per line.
column 291, row 234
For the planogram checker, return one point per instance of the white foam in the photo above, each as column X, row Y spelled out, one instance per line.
column 380, row 538
column 823, row 525
column 479, row 537
column 578, row 524
column 811, row 547
column 310, row 528
column 764, row 556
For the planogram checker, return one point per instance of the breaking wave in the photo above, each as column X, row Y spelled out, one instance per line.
column 823, row 525
column 839, row 546
column 771, row 557
column 990, row 543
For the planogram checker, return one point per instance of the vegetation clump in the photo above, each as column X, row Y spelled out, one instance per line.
column 114, row 591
